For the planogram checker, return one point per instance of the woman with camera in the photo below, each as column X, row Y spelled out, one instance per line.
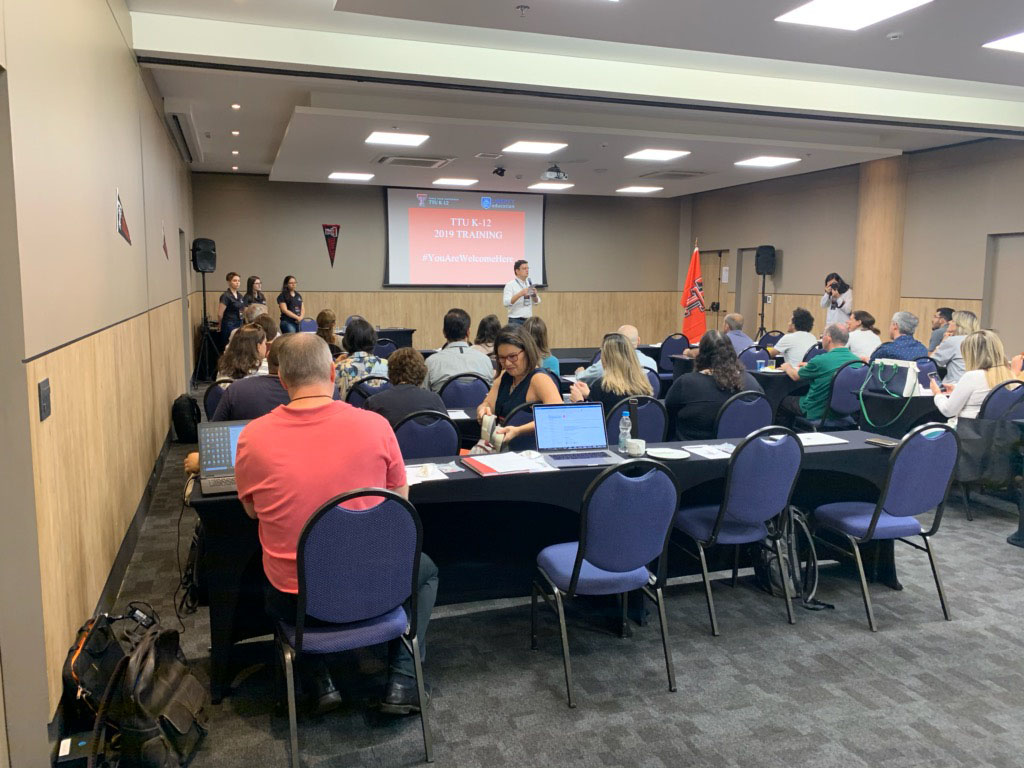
column 838, row 299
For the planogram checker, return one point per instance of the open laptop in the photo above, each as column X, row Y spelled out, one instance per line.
column 218, row 444
column 573, row 435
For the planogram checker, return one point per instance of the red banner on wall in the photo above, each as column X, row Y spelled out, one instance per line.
column 331, row 232
column 122, row 222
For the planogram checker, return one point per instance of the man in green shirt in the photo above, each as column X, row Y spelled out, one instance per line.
column 818, row 372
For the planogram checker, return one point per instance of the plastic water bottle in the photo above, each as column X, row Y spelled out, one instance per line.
column 625, row 426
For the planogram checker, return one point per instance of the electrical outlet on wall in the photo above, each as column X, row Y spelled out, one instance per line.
column 768, row 299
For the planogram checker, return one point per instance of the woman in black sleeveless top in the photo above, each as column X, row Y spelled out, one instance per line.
column 518, row 381
column 231, row 307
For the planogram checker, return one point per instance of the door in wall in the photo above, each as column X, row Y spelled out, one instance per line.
column 714, row 292
column 1005, row 275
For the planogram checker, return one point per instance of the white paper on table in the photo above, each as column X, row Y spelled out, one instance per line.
column 457, row 414
column 817, row 438
column 708, row 451
column 570, row 378
column 508, row 463
column 422, row 473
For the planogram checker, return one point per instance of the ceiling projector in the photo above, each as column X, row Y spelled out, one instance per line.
column 554, row 173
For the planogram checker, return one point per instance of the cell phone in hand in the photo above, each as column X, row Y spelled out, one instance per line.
column 935, row 377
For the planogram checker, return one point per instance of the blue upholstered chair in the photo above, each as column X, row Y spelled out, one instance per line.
column 770, row 339
column 467, row 390
column 1004, row 401
column 920, row 473
column 625, row 520
column 750, row 356
column 741, row 414
column 925, row 365
column 307, row 325
column 674, row 344
column 843, row 400
column 758, row 487
column 654, row 379
column 521, row 414
column 350, row 318
column 383, row 348
column 652, row 416
column 357, row 574
column 361, row 389
column 423, row 434
column 211, row 398
column 813, row 352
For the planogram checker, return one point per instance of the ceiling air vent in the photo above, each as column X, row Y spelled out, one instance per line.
column 488, row 155
column 182, row 125
column 415, row 162
column 672, row 175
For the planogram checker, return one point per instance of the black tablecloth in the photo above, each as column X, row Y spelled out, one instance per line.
column 681, row 364
column 482, row 528
column 883, row 409
column 401, row 336
column 777, row 386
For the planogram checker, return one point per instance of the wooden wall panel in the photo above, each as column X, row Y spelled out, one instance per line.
column 881, row 211
column 111, row 395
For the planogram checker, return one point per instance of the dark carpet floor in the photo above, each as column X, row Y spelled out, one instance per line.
column 825, row 692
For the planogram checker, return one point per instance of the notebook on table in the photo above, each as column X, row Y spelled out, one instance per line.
column 218, row 445
column 573, row 435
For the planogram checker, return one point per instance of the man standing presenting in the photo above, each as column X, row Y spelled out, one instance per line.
column 342, row 448
column 520, row 294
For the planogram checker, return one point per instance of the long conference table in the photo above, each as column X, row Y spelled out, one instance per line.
column 472, row 524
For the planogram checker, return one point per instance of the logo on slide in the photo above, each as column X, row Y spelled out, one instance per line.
column 485, row 203
column 422, row 199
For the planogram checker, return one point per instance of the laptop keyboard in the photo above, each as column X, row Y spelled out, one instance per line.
column 586, row 455
column 219, row 482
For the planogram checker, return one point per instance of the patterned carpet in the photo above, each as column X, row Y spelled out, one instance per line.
column 825, row 692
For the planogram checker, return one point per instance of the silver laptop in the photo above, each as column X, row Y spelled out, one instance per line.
column 573, row 435
column 218, row 444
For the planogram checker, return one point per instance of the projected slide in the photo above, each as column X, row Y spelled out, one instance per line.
column 441, row 237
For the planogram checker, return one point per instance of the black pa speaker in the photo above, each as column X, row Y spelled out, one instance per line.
column 204, row 255
column 764, row 260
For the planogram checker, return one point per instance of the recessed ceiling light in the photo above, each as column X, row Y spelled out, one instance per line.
column 767, row 161
column 236, row 106
column 551, row 185
column 657, row 154
column 234, row 133
column 1012, row 43
column 639, row 190
column 397, row 139
column 234, row 151
column 455, row 182
column 535, row 147
column 234, row 167
column 347, row 176
column 850, row 15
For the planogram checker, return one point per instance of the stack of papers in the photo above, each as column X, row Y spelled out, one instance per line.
column 722, row 451
column 422, row 473
column 507, row 463
column 458, row 414
column 817, row 438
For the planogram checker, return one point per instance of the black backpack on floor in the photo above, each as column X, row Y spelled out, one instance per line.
column 185, row 417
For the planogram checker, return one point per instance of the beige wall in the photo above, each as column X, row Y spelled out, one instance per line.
column 3, row 41
column 274, row 228
column 955, row 198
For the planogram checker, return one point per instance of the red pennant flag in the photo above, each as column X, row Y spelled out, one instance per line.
column 692, row 300
column 122, row 223
column 331, row 232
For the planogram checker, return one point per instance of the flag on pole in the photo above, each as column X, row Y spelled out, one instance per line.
column 692, row 300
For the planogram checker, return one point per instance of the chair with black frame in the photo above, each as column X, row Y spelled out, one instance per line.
column 467, row 390
column 211, row 397
column 596, row 357
column 625, row 522
column 655, row 381
column 383, row 348
column 758, row 487
column 362, row 388
column 813, row 352
column 521, row 414
column 1004, row 401
column 770, row 339
column 307, row 325
column 925, row 366
column 360, row 587
column 674, row 344
column 990, row 454
column 652, row 419
column 423, row 434
column 920, row 475
column 741, row 414
column 350, row 318
column 843, row 403
column 751, row 356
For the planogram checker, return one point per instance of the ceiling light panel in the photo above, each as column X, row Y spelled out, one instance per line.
column 455, row 182
column 349, row 176
column 660, row 155
column 551, row 186
column 639, row 190
column 397, row 139
column 850, row 15
column 1013, row 43
column 767, row 161
column 535, row 147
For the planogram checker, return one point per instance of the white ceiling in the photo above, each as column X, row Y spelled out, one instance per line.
column 941, row 39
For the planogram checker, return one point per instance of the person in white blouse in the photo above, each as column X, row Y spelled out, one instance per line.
column 864, row 337
column 837, row 299
column 986, row 366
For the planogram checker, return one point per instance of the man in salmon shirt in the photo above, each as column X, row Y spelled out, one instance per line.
column 295, row 458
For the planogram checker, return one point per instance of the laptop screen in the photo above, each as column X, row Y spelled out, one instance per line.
column 218, row 445
column 569, row 427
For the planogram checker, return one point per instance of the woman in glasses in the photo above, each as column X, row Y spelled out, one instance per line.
column 518, row 381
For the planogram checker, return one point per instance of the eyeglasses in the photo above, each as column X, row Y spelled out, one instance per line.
column 513, row 358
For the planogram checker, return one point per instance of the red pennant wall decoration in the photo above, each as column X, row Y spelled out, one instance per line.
column 331, row 232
